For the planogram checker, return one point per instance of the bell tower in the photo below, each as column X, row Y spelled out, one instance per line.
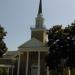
column 39, row 31
column 39, row 19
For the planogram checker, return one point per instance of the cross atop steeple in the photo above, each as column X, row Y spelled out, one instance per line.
column 40, row 7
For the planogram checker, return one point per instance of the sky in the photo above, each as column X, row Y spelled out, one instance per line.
column 18, row 16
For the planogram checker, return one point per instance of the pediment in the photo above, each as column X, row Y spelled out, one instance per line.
column 33, row 43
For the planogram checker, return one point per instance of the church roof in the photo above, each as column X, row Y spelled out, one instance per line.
column 33, row 43
column 10, row 54
column 8, row 58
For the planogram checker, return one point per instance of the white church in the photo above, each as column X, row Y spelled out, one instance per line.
column 33, row 52
column 29, row 59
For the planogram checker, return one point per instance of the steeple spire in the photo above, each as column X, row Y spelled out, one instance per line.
column 40, row 7
column 39, row 19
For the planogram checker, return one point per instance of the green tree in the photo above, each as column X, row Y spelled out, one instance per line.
column 3, row 47
column 3, row 71
column 62, row 47
column 56, row 38
column 71, row 54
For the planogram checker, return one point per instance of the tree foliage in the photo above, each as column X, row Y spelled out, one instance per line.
column 3, row 71
column 3, row 47
column 61, row 46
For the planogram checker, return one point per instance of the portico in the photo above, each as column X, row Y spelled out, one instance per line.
column 35, row 61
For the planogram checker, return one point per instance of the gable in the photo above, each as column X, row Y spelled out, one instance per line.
column 33, row 43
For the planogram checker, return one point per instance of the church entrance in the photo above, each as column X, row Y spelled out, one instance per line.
column 34, row 70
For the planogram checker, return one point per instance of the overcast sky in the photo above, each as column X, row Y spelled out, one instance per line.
column 17, row 16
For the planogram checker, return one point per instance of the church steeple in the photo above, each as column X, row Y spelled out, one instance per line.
column 40, row 7
column 39, row 32
column 39, row 19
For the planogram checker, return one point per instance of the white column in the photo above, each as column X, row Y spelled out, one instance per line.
column 27, row 63
column 47, row 70
column 38, row 63
column 69, row 71
column 18, row 65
